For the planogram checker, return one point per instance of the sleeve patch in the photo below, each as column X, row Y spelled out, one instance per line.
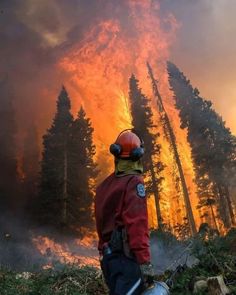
column 141, row 190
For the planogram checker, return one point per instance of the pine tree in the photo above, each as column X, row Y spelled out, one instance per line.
column 8, row 162
column 142, row 122
column 213, row 146
column 82, row 172
column 169, row 132
column 54, row 166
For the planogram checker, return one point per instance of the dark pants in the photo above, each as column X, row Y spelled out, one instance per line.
column 121, row 274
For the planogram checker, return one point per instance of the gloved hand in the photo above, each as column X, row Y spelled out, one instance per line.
column 147, row 273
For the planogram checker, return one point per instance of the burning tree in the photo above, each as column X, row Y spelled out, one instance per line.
column 143, row 124
column 54, row 167
column 213, row 146
column 68, row 169
column 82, row 171
column 168, row 130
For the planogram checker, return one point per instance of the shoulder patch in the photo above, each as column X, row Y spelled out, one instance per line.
column 141, row 190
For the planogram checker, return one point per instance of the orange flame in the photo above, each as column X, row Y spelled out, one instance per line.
column 97, row 70
column 80, row 252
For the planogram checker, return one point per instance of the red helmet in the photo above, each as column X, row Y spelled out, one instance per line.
column 128, row 145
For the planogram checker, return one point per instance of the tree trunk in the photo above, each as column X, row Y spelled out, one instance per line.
column 223, row 206
column 156, row 196
column 213, row 217
column 230, row 206
column 173, row 144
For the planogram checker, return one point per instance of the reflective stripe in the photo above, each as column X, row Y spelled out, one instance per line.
column 135, row 286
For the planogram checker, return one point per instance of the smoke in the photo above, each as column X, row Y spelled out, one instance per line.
column 205, row 50
column 28, row 66
column 35, row 34
column 22, row 249
column 167, row 253
column 16, row 248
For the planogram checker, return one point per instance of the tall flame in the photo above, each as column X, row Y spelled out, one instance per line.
column 96, row 71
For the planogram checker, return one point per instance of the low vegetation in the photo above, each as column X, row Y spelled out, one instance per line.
column 216, row 255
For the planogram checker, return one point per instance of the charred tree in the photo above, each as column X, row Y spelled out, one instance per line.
column 213, row 146
column 210, row 202
column 53, row 184
column 143, row 124
column 171, row 136
column 82, row 172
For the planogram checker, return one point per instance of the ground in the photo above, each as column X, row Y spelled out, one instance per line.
column 216, row 256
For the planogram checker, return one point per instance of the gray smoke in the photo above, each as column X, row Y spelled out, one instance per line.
column 19, row 252
column 167, row 253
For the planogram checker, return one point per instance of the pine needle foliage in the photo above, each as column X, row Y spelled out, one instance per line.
column 213, row 148
column 54, row 159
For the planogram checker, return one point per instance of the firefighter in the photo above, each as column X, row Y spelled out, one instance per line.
column 122, row 220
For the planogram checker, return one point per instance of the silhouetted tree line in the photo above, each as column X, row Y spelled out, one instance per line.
column 61, row 195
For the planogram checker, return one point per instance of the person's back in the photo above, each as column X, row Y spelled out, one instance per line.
column 117, row 205
column 122, row 220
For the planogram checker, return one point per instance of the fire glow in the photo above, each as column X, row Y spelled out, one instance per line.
column 97, row 70
column 80, row 252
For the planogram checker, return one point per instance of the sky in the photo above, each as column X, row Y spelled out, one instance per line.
column 34, row 34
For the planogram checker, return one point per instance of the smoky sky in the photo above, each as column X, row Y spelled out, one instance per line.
column 34, row 34
column 205, row 50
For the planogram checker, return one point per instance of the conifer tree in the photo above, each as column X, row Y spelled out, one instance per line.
column 213, row 147
column 8, row 162
column 142, row 122
column 82, row 172
column 54, row 166
column 169, row 132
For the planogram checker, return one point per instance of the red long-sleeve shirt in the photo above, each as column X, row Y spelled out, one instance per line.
column 121, row 202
